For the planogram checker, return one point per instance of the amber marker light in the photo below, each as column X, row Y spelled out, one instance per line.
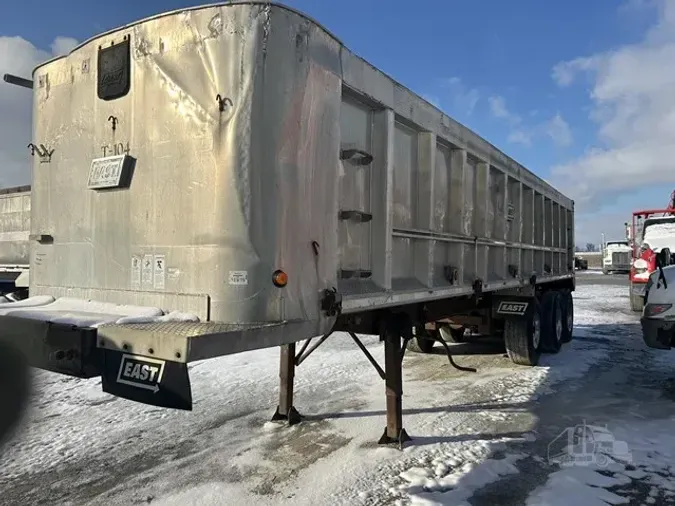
column 279, row 278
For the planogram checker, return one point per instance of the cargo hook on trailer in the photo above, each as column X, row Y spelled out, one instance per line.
column 223, row 102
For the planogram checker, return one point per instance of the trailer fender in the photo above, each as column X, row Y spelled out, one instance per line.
column 511, row 307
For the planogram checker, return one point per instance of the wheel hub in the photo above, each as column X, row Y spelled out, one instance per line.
column 536, row 331
column 558, row 329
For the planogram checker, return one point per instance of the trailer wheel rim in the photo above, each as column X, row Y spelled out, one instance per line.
column 558, row 329
column 536, row 332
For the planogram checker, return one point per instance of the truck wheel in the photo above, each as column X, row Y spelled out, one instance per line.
column 552, row 322
column 637, row 302
column 522, row 337
column 421, row 343
column 453, row 334
column 567, row 304
column 605, row 271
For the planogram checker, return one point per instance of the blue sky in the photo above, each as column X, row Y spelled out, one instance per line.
column 488, row 63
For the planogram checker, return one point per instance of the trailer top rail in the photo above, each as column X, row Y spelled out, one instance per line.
column 400, row 97
column 14, row 189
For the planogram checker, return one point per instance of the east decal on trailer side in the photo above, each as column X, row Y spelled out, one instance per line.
column 513, row 308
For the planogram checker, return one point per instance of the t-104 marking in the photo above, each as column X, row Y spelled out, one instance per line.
column 515, row 308
column 141, row 372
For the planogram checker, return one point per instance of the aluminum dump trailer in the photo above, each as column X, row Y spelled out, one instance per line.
column 238, row 179
column 14, row 238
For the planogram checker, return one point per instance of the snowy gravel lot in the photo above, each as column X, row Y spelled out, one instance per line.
column 485, row 438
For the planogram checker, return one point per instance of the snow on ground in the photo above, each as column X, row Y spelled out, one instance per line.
column 650, row 460
column 469, row 430
column 589, row 271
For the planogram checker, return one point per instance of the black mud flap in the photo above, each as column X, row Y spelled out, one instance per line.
column 148, row 380
column 511, row 307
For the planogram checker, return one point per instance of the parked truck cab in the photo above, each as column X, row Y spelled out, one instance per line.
column 654, row 244
column 616, row 257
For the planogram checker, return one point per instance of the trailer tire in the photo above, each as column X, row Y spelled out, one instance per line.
column 420, row 343
column 522, row 337
column 605, row 271
column 567, row 304
column 637, row 302
column 552, row 322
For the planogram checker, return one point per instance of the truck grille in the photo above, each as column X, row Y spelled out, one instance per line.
column 621, row 258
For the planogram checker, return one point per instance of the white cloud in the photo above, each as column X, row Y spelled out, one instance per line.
column 556, row 128
column 63, row 45
column 631, row 7
column 564, row 72
column 19, row 57
column 559, row 131
column 590, row 228
column 634, row 108
column 518, row 134
column 520, row 137
column 464, row 98
column 499, row 110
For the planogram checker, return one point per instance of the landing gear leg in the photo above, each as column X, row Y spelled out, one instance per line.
column 394, row 433
column 285, row 410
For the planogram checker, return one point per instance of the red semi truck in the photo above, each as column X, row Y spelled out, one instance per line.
column 651, row 236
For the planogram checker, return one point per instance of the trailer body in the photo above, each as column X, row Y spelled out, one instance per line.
column 14, row 237
column 238, row 164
